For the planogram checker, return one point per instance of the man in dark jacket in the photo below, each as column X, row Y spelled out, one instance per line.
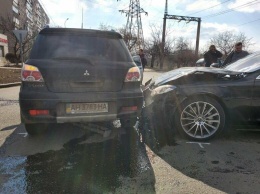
column 235, row 55
column 212, row 56
column 143, row 59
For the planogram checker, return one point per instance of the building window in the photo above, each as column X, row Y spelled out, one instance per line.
column 29, row 2
column 16, row 22
column 29, row 15
column 15, row 3
column 15, row 9
column 29, row 7
column 38, row 9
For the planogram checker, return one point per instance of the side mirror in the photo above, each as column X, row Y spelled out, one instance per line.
column 216, row 65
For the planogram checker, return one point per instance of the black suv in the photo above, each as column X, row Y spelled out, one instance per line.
column 79, row 75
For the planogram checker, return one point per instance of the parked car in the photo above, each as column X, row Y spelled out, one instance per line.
column 201, row 101
column 79, row 75
column 200, row 62
column 138, row 62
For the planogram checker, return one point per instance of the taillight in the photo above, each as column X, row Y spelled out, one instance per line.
column 39, row 112
column 133, row 75
column 129, row 108
column 31, row 73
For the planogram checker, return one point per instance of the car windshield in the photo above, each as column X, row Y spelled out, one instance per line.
column 76, row 47
column 248, row 64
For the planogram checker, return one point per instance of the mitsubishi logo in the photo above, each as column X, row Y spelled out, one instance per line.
column 86, row 73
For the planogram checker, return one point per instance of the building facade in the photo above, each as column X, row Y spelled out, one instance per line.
column 3, row 48
column 21, row 15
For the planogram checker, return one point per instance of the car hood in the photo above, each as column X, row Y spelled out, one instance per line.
column 185, row 71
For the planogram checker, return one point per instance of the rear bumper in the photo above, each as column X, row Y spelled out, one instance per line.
column 56, row 104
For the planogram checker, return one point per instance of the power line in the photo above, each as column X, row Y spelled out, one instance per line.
column 209, row 7
column 230, row 10
column 249, row 22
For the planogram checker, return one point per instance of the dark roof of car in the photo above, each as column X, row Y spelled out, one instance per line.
column 89, row 32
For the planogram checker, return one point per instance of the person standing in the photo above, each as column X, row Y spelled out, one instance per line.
column 211, row 56
column 236, row 54
column 142, row 56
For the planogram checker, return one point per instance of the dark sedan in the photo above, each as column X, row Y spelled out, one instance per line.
column 201, row 101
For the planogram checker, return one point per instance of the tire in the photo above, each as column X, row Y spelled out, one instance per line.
column 128, row 122
column 162, row 125
column 200, row 118
column 36, row 129
column 130, row 135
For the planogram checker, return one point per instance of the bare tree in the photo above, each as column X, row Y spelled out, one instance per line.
column 128, row 38
column 154, row 44
column 184, row 54
column 107, row 27
column 225, row 41
column 7, row 26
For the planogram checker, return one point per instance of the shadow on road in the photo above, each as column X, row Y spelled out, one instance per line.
column 74, row 165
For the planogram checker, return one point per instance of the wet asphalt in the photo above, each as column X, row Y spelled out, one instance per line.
column 78, row 167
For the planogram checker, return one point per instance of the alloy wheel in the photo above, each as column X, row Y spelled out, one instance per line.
column 200, row 120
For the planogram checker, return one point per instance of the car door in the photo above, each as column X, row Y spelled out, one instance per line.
column 256, row 98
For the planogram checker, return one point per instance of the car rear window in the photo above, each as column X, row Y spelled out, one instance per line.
column 70, row 46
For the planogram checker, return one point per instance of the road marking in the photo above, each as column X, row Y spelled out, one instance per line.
column 25, row 134
column 200, row 144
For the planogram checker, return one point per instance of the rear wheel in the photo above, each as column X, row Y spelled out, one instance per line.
column 200, row 118
column 128, row 122
column 130, row 135
column 36, row 129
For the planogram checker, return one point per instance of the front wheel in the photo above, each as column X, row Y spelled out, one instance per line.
column 200, row 118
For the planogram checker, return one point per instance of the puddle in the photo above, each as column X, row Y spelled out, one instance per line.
column 77, row 168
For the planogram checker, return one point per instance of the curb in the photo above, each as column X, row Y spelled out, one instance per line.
column 10, row 85
column 10, row 68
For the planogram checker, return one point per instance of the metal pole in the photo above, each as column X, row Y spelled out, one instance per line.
column 163, row 34
column 82, row 19
column 198, row 39
column 21, row 48
column 65, row 22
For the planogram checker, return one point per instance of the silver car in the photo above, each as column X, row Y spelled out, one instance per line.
column 138, row 63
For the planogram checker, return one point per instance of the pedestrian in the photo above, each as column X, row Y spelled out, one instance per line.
column 143, row 59
column 212, row 56
column 236, row 54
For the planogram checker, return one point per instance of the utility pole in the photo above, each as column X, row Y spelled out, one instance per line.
column 179, row 18
column 134, row 31
column 163, row 35
column 82, row 19
column 198, row 38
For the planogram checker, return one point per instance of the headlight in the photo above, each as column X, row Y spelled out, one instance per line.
column 162, row 90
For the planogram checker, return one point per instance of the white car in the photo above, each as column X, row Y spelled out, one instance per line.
column 200, row 62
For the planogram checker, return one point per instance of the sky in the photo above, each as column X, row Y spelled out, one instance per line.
column 217, row 16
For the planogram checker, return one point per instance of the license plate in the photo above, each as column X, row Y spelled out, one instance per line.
column 76, row 108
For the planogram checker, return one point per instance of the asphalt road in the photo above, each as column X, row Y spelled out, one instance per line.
column 82, row 159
